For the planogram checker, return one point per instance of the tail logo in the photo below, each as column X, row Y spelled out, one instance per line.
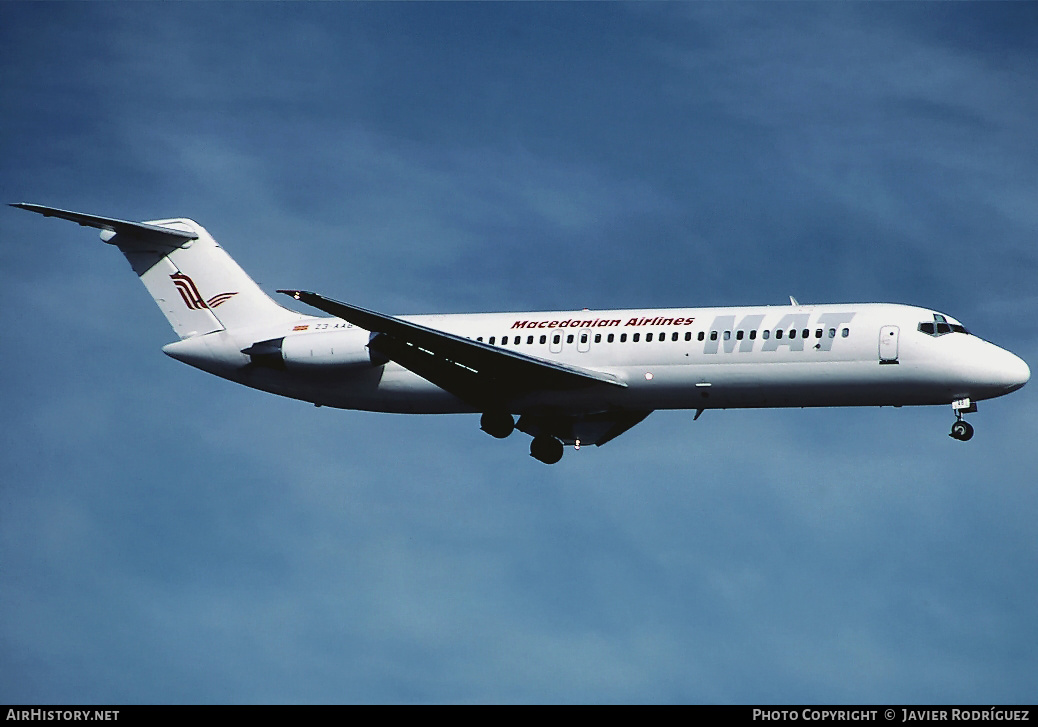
column 192, row 298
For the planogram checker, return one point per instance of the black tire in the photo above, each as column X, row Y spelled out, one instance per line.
column 962, row 430
column 546, row 449
column 497, row 424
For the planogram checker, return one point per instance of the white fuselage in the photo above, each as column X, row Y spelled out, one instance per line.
column 695, row 358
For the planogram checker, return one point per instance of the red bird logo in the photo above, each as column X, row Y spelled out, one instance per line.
column 192, row 298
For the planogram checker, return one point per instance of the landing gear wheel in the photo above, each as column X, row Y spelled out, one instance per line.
column 546, row 449
column 497, row 424
column 962, row 430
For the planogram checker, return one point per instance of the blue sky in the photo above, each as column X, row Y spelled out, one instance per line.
column 171, row 537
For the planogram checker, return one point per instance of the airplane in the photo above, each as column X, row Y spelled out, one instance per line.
column 572, row 378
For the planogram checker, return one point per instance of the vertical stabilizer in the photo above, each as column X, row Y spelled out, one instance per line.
column 195, row 283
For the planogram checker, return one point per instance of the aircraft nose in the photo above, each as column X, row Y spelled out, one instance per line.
column 1015, row 372
column 994, row 371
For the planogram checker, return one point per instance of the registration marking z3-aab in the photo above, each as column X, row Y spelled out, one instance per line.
column 564, row 378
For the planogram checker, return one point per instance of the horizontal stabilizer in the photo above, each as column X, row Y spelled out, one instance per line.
column 137, row 230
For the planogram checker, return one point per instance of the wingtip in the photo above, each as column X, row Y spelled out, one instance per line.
column 37, row 208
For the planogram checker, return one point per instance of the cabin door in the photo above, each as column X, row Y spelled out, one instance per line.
column 888, row 336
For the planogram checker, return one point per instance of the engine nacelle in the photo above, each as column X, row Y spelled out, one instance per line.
column 327, row 351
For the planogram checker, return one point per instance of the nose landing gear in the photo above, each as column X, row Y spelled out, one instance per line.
column 961, row 429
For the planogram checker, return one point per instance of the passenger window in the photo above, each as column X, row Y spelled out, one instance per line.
column 569, row 338
column 623, row 338
column 556, row 338
column 778, row 334
column 529, row 340
column 634, row 338
column 701, row 336
column 766, row 334
column 753, row 335
column 805, row 333
column 609, row 338
column 792, row 333
column 832, row 333
column 688, row 335
column 583, row 338
column 492, row 339
column 518, row 340
column 674, row 336
column 480, row 339
column 598, row 338
column 818, row 333
column 739, row 335
column 713, row 335
column 845, row 332
column 648, row 338
column 727, row 335
column 544, row 339
column 504, row 340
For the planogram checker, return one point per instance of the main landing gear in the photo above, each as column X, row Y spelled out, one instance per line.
column 962, row 429
column 544, row 447
column 497, row 424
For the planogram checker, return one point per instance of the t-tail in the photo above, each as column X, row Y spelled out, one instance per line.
column 195, row 283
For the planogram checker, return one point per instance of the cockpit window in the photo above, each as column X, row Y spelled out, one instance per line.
column 940, row 326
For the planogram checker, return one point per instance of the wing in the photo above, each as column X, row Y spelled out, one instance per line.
column 483, row 375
